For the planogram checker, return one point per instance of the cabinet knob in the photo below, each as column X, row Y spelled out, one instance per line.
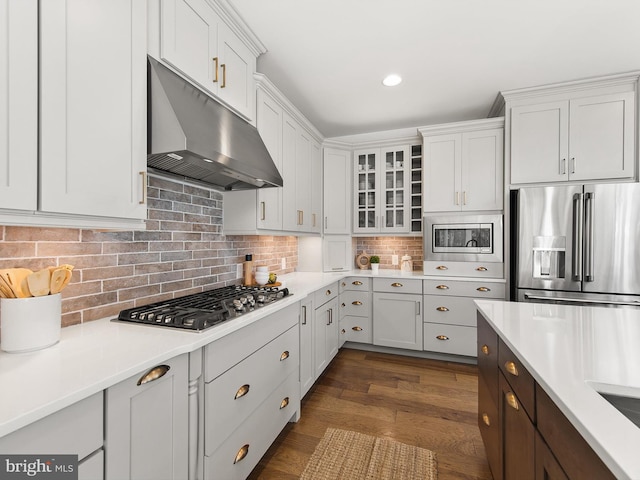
column 511, row 368
column 442, row 309
column 442, row 337
column 356, row 329
column 284, row 402
column 512, row 401
column 356, row 282
column 442, row 287
column 344, row 284
column 343, row 331
column 356, row 302
column 154, row 374
column 241, row 453
column 343, row 305
column 284, row 355
column 483, row 289
column 481, row 269
column 485, row 419
column 442, row 267
column 396, row 284
column 328, row 292
column 485, row 349
column 242, row 391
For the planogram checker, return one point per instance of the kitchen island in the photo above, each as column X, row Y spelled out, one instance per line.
column 574, row 354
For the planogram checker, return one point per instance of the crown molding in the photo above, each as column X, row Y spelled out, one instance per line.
column 466, row 126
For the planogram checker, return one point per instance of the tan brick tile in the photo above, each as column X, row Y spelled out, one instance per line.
column 105, row 311
column 125, row 282
column 68, row 248
column 35, row 234
column 17, row 249
column 173, row 286
column 138, row 292
column 125, row 247
column 153, row 268
column 104, row 273
column 69, row 319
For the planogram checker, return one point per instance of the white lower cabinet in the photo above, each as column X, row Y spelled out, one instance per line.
column 147, row 423
column 251, row 391
column 75, row 430
column 326, row 324
column 450, row 313
column 307, row 371
column 397, row 317
column 356, row 323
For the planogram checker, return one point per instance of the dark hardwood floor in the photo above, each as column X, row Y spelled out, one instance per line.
column 427, row 403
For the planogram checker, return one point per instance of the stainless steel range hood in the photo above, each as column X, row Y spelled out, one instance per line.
column 192, row 136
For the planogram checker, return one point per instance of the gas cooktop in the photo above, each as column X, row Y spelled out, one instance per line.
column 200, row 311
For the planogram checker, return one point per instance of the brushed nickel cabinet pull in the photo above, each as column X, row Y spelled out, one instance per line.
column 284, row 355
column 442, row 309
column 512, row 401
column 396, row 284
column 262, row 211
column 154, row 374
column 511, row 368
column 356, row 283
column 356, row 329
column 242, row 391
column 457, row 198
column 284, row 402
column 483, row 289
column 356, row 302
column 442, row 287
column 442, row 267
column 144, row 188
column 485, row 349
column 331, row 316
column 215, row 69
column 313, row 219
column 241, row 453
column 304, row 314
column 573, row 165
column 481, row 269
column 442, row 337
column 563, row 166
column 224, row 76
column 464, row 197
column 485, row 419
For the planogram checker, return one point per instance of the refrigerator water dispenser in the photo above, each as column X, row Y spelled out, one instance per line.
column 548, row 257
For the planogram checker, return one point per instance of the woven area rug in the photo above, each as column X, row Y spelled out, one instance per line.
column 344, row 455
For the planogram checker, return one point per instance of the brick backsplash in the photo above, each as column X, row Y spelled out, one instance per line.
column 384, row 247
column 182, row 251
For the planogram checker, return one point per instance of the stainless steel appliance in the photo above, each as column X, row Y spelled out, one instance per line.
column 200, row 311
column 579, row 244
column 463, row 238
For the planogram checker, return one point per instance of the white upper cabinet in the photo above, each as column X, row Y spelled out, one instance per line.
column 382, row 189
column 93, row 108
column 195, row 40
column 337, row 191
column 578, row 131
column 463, row 166
column 19, row 104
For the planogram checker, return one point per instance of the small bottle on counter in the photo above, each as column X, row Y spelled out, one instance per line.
column 248, row 270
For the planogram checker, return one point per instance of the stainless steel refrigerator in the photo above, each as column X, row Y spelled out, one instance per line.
column 578, row 244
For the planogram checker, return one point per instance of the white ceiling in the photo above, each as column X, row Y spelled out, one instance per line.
column 329, row 56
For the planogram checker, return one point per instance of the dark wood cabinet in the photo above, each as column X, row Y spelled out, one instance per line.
column 526, row 436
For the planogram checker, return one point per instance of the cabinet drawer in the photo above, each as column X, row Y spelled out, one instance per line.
column 489, row 426
column 233, row 396
column 76, row 429
column 355, row 283
column 518, row 377
column 255, row 435
column 459, row 288
column 451, row 339
column 450, row 310
column 92, row 468
column 323, row 295
column 464, row 269
column 356, row 329
column 224, row 353
column 355, row 303
column 397, row 285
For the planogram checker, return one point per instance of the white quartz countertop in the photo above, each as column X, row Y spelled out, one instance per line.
column 96, row 355
column 573, row 353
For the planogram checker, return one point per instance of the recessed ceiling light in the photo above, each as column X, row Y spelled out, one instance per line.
column 392, row 80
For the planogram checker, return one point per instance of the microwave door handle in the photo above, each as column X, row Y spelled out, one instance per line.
column 589, row 205
column 576, row 257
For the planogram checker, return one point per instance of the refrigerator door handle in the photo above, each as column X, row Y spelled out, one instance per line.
column 578, row 226
column 588, row 240
column 585, row 301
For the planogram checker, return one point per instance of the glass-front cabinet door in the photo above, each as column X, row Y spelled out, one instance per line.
column 382, row 190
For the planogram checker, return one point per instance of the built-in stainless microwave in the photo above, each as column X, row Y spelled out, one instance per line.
column 464, row 238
